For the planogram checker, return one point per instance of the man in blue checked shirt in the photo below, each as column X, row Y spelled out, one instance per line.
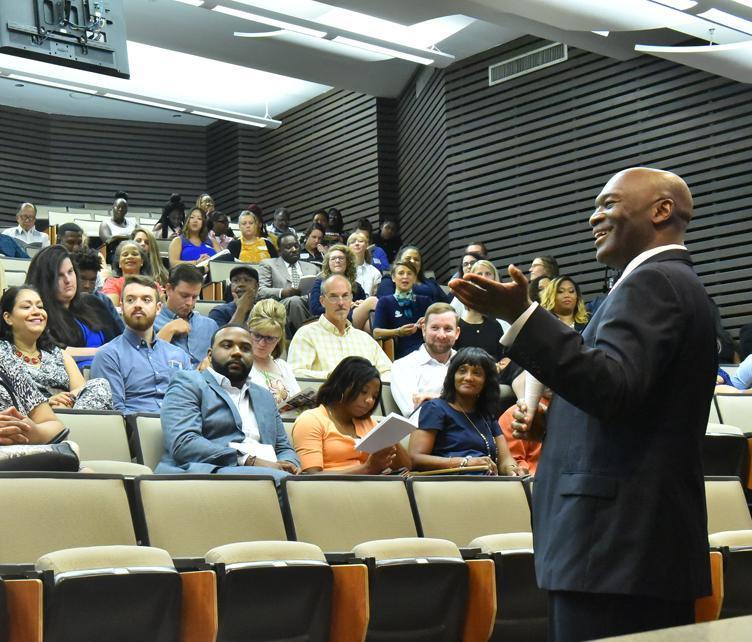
column 138, row 364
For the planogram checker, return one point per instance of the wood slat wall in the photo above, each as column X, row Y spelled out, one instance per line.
column 526, row 158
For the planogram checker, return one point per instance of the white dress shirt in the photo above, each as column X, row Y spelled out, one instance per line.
column 417, row 372
column 32, row 236
column 369, row 278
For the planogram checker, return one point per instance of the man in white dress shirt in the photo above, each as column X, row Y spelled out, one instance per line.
column 25, row 232
column 419, row 376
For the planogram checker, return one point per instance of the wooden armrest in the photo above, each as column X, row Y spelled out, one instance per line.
column 448, row 471
column 480, row 615
column 709, row 608
column 350, row 606
column 199, row 607
column 24, row 599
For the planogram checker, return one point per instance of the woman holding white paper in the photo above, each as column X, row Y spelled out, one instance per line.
column 459, row 429
column 326, row 437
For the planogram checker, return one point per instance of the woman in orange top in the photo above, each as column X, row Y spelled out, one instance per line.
column 325, row 437
column 252, row 247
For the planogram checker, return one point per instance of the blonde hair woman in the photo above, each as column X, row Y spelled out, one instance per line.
column 562, row 297
column 267, row 327
column 366, row 274
column 148, row 244
column 251, row 246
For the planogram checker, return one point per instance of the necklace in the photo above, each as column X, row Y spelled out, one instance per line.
column 482, row 436
column 34, row 358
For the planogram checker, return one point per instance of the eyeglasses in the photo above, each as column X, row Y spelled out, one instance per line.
column 262, row 338
column 338, row 259
column 468, row 263
column 335, row 299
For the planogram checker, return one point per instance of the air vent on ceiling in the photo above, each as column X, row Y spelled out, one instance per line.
column 527, row 63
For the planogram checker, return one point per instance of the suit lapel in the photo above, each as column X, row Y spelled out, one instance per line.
column 284, row 273
column 224, row 396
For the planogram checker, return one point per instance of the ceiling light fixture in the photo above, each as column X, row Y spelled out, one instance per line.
column 143, row 101
column 727, row 20
column 272, row 22
column 746, row 3
column 242, row 121
column 359, row 44
column 51, row 83
column 681, row 5
column 193, row 3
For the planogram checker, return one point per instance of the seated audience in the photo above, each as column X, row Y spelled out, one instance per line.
column 419, row 375
column 170, row 224
column 318, row 347
column 270, row 371
column 379, row 259
column 244, row 288
column 129, row 259
column 216, row 421
column 544, row 266
column 78, row 322
column 320, row 217
column 740, row 382
column 423, row 286
column 477, row 250
column 460, row 428
column 251, row 246
column 25, row 232
column 138, row 364
column 88, row 263
column 563, row 298
column 365, row 273
column 388, row 239
column 281, row 223
column 119, row 224
column 536, row 286
column 526, row 452
column 279, row 279
column 193, row 245
column 26, row 346
column 220, row 233
column 335, row 229
column 205, row 203
column 71, row 237
column 313, row 250
column 398, row 316
column 325, row 437
column 148, row 244
column 177, row 322
column 466, row 264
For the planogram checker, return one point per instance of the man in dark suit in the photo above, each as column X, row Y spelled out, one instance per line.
column 620, row 531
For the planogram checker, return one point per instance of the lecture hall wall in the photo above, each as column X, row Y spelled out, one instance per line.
column 517, row 164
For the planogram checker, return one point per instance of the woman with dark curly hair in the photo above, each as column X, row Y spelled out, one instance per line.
column 171, row 222
column 129, row 259
column 325, row 437
column 459, row 428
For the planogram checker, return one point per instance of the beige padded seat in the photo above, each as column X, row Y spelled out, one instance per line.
column 408, row 548
column 103, row 557
column 61, row 511
column 99, row 435
column 204, row 307
column 150, row 438
column 188, row 515
column 735, row 410
column 722, row 429
column 461, row 510
column 504, row 542
column 388, row 404
column 731, row 538
column 338, row 514
column 244, row 552
column 125, row 468
column 713, row 416
column 727, row 506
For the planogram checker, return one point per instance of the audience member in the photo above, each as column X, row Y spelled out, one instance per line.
column 473, row 252
column 26, row 345
column 325, row 437
column 70, row 236
column 177, row 322
column 466, row 264
column 388, row 238
column 535, row 287
column 313, row 250
column 318, row 347
column 78, row 322
column 205, row 203
column 244, row 283
column 279, row 279
column 267, row 325
column 525, row 452
column 129, row 259
column 424, row 286
column 11, row 248
column 193, row 245
column 281, row 223
column 336, row 225
column 171, row 222
column 459, row 428
column 419, row 376
column 88, row 263
column 563, row 298
column 138, row 364
column 398, row 316
column 25, row 232
column 365, row 273
column 148, row 244
column 320, row 217
column 740, row 381
column 379, row 259
column 339, row 259
column 118, row 225
column 544, row 266
column 220, row 233
column 252, row 246
column 216, row 421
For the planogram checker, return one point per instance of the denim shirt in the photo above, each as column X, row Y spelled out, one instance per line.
column 197, row 342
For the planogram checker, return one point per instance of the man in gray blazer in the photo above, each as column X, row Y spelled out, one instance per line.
column 279, row 279
column 217, row 421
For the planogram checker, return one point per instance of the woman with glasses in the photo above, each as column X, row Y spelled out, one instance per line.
column 340, row 259
column 267, row 326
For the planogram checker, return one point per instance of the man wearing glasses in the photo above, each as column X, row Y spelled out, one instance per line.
column 317, row 348
column 25, row 232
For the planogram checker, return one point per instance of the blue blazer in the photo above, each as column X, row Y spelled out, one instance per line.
column 199, row 419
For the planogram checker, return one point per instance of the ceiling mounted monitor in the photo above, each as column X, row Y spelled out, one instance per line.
column 84, row 34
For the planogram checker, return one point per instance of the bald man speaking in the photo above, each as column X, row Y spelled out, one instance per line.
column 620, row 530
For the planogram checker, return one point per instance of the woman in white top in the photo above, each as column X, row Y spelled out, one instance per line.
column 366, row 274
column 118, row 225
column 267, row 326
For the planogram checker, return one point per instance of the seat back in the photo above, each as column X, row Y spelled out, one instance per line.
column 204, row 307
column 462, row 508
column 149, row 438
column 388, row 404
column 338, row 512
column 714, row 417
column 44, row 512
column 735, row 410
column 219, row 271
column 188, row 515
column 99, row 434
column 725, row 451
column 727, row 505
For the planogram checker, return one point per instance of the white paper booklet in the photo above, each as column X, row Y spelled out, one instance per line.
column 389, row 431
column 219, row 254
column 306, row 283
column 304, row 399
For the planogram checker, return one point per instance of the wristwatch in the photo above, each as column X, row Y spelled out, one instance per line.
column 464, row 462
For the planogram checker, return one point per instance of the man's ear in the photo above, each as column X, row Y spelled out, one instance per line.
column 664, row 210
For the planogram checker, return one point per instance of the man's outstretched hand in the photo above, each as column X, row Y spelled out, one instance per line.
column 501, row 300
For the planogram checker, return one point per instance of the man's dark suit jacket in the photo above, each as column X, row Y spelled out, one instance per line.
column 618, row 499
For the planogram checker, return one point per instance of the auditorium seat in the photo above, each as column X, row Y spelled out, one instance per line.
column 492, row 514
column 735, row 410
column 147, row 438
column 15, row 279
column 100, row 434
column 714, row 417
column 204, row 307
column 725, row 451
column 388, row 404
column 57, row 217
column 727, row 505
column 124, row 468
column 15, row 265
column 736, row 547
